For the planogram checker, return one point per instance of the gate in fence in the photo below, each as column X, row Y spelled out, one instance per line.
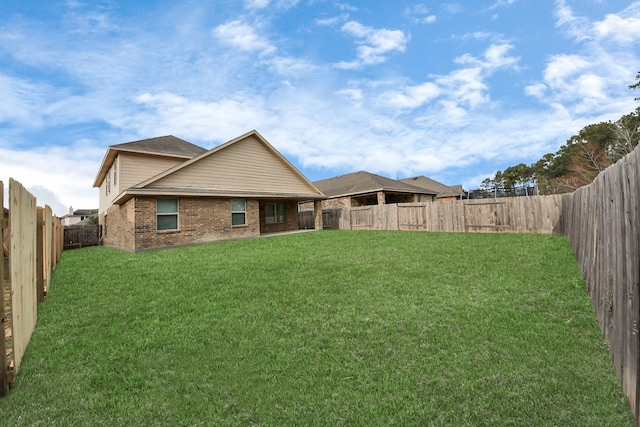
column 81, row 236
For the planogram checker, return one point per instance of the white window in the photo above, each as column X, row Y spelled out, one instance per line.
column 238, row 212
column 274, row 213
column 166, row 214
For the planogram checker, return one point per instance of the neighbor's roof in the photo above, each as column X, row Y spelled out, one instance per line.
column 167, row 146
column 85, row 212
column 365, row 182
column 439, row 188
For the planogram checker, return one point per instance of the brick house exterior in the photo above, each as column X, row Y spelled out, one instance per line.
column 202, row 198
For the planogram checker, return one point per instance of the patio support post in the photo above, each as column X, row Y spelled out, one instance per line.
column 317, row 210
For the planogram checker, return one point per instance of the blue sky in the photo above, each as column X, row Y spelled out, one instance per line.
column 451, row 90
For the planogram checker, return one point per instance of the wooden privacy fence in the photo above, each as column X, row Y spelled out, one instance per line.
column 33, row 239
column 79, row 236
column 535, row 214
column 602, row 223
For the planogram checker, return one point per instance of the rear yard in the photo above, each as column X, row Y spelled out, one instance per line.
column 321, row 328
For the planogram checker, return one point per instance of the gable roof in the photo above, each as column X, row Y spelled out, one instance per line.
column 166, row 146
column 439, row 188
column 363, row 182
column 246, row 166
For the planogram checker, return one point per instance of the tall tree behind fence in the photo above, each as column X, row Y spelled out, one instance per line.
column 602, row 225
column 34, row 245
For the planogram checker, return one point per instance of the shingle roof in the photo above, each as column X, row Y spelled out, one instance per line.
column 365, row 182
column 162, row 145
column 437, row 187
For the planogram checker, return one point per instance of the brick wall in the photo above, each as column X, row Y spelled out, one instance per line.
column 200, row 219
column 337, row 203
column 117, row 226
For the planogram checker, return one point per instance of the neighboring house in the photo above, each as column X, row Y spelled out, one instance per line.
column 443, row 192
column 365, row 188
column 165, row 191
column 77, row 216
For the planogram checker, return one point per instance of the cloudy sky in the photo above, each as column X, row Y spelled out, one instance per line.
column 451, row 90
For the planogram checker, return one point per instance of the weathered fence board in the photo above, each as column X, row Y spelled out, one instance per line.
column 534, row 214
column 47, row 248
column 601, row 222
column 306, row 220
column 4, row 378
column 81, row 236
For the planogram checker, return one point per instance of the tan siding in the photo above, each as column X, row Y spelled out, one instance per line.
column 245, row 165
column 132, row 169
column 135, row 168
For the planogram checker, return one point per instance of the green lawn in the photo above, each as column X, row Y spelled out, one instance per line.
column 326, row 328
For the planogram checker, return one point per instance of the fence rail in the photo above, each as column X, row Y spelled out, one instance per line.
column 602, row 223
column 31, row 239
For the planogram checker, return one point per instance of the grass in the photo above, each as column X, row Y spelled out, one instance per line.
column 329, row 328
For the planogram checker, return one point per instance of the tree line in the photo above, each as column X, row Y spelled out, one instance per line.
column 578, row 161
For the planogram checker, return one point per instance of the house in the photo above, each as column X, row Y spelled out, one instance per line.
column 365, row 188
column 443, row 192
column 75, row 217
column 165, row 191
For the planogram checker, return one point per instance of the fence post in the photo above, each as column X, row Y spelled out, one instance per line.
column 4, row 380
column 39, row 254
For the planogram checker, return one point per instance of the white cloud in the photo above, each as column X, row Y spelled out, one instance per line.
column 592, row 79
column 20, row 101
column 60, row 175
column 333, row 20
column 168, row 113
column 263, row 4
column 619, row 29
column 577, row 27
column 494, row 57
column 243, row 36
column 256, row 4
column 501, row 3
column 289, row 66
column 412, row 96
column 374, row 44
column 419, row 14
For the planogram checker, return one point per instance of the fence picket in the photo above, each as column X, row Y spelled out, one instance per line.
column 4, row 378
column 24, row 272
column 602, row 224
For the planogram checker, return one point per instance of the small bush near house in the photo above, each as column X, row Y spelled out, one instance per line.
column 322, row 328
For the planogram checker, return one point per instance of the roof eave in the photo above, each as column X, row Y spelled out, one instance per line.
column 206, row 192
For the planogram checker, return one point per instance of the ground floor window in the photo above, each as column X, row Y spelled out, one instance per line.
column 166, row 214
column 274, row 213
column 238, row 212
